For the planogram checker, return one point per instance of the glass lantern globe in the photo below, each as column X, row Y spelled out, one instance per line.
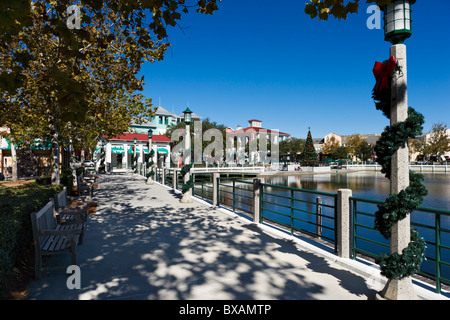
column 397, row 21
column 187, row 116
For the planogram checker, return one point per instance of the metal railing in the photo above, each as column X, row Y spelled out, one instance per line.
column 203, row 186
column 314, row 213
column 236, row 195
column 428, row 221
column 305, row 211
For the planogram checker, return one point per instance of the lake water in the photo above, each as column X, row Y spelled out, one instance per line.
column 370, row 185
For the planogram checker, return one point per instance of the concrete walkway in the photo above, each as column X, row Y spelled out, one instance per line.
column 144, row 244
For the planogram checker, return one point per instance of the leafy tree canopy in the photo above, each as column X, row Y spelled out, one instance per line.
column 337, row 8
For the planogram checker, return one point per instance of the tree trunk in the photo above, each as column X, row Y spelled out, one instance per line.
column 55, row 147
column 15, row 176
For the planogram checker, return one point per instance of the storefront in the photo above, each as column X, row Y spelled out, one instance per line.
column 119, row 151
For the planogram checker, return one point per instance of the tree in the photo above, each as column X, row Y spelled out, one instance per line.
column 340, row 153
column 309, row 156
column 330, row 146
column 59, row 75
column 353, row 144
column 206, row 124
column 292, row 146
column 365, row 150
column 324, row 8
column 439, row 141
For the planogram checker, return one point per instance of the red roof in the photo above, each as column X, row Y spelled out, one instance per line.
column 257, row 129
column 252, row 120
column 141, row 137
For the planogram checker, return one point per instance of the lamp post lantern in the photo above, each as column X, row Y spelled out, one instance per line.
column 397, row 17
column 397, row 21
column 187, row 116
column 150, row 136
column 187, row 198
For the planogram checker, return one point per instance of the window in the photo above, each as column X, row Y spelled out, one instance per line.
column 167, row 120
column 160, row 120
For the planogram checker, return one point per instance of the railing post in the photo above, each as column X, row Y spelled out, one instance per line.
column 216, row 177
column 163, row 176
column 319, row 216
column 175, row 179
column 256, row 200
column 343, row 222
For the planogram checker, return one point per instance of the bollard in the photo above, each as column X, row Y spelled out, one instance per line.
column 216, row 177
column 256, row 200
column 343, row 222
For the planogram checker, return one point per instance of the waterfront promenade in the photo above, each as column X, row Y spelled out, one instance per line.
column 144, row 244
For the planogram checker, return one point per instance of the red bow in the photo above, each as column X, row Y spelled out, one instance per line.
column 381, row 71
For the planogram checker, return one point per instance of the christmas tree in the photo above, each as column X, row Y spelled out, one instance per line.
column 309, row 156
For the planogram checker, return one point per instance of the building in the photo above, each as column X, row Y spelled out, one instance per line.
column 33, row 160
column 120, row 150
column 425, row 139
column 163, row 119
column 254, row 130
column 243, row 136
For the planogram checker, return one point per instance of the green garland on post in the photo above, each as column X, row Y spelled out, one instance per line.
column 150, row 165
column 398, row 206
column 134, row 160
column 190, row 183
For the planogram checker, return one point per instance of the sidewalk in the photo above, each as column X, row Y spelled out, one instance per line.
column 144, row 244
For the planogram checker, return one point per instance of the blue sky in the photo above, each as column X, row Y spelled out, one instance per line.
column 268, row 60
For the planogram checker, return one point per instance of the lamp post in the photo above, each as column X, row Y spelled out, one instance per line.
column 102, row 157
column 397, row 28
column 150, row 136
column 187, row 198
column 133, row 164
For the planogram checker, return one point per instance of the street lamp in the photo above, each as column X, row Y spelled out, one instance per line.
column 150, row 136
column 134, row 162
column 397, row 18
column 187, row 151
column 397, row 21
column 187, row 116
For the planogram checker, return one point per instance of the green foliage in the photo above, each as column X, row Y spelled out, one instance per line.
column 324, row 8
column 309, row 156
column 150, row 164
column 134, row 163
column 398, row 206
column 190, row 183
column 67, row 180
column 16, row 206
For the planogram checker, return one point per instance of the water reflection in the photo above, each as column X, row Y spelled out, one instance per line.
column 370, row 185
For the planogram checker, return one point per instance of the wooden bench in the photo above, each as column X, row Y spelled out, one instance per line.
column 85, row 186
column 52, row 238
column 66, row 212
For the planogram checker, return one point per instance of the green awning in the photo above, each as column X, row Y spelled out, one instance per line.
column 117, row 149
column 163, row 151
column 42, row 144
column 138, row 150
